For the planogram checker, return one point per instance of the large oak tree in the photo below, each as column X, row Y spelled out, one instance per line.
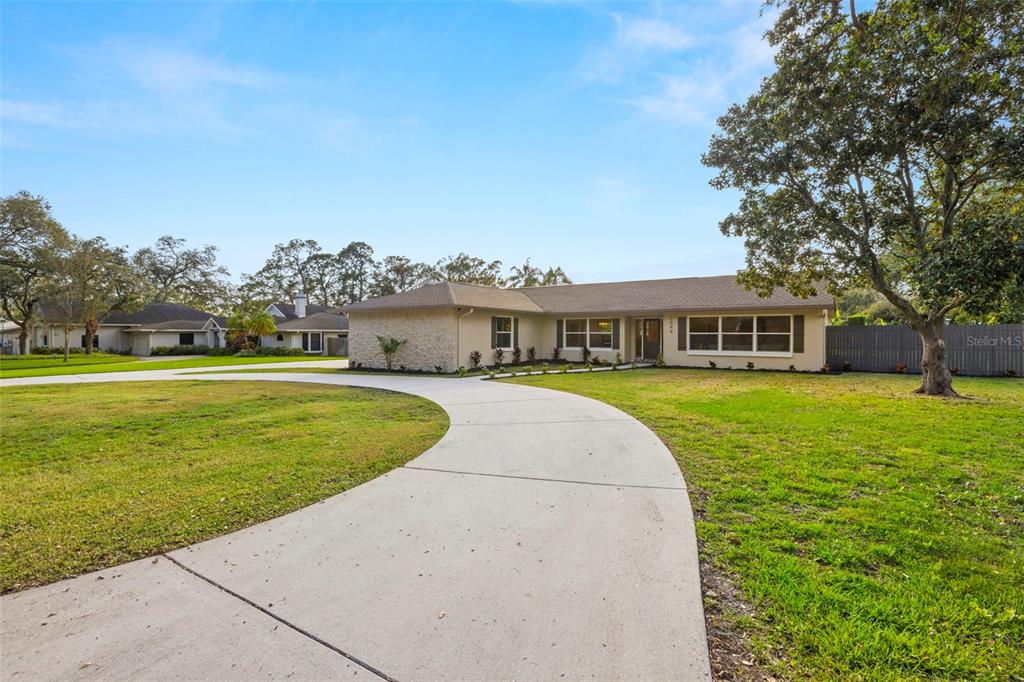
column 886, row 151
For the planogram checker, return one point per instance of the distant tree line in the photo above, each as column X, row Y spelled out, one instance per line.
column 77, row 282
column 353, row 274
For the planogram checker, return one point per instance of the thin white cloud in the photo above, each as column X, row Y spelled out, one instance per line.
column 668, row 73
column 652, row 34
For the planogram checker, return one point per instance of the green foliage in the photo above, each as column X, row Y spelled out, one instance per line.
column 181, row 349
column 389, row 347
column 886, row 150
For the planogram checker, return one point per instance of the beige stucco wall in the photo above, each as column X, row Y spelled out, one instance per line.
column 447, row 337
column 430, row 335
column 109, row 337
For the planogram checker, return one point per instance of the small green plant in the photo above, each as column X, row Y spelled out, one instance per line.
column 544, row 368
column 499, row 356
column 531, row 354
column 389, row 346
column 475, row 358
column 901, row 368
column 564, row 369
column 589, row 367
column 712, row 364
column 750, row 365
column 585, row 354
column 847, row 366
column 463, row 372
column 826, row 369
column 528, row 369
column 1011, row 372
column 792, row 368
column 660, row 360
column 517, row 355
column 556, row 353
column 618, row 359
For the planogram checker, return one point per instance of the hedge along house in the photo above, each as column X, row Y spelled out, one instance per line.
column 316, row 329
column 690, row 322
column 138, row 333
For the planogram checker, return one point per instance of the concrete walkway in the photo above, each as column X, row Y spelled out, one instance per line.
column 546, row 536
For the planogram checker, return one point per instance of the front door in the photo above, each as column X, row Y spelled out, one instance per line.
column 648, row 339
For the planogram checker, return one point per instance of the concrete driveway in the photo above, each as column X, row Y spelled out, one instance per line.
column 546, row 536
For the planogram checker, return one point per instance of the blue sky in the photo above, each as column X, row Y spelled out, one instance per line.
column 571, row 133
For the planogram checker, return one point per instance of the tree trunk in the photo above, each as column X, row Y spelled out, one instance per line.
column 936, row 378
column 90, row 333
column 23, row 340
column 67, row 343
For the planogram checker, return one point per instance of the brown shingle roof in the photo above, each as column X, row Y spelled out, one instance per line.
column 452, row 295
column 654, row 295
column 321, row 322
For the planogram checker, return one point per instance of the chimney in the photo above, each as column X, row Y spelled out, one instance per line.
column 300, row 305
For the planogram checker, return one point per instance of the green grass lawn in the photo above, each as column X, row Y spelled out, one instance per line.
column 96, row 475
column 17, row 363
column 877, row 534
column 10, row 369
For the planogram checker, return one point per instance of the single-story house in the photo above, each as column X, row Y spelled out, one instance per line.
column 138, row 333
column 316, row 329
column 689, row 322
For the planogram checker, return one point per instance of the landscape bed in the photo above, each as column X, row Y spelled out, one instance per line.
column 869, row 533
column 92, row 477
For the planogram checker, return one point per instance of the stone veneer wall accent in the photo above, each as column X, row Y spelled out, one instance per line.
column 430, row 336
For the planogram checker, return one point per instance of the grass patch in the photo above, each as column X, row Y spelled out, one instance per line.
column 877, row 534
column 92, row 476
column 134, row 364
column 17, row 363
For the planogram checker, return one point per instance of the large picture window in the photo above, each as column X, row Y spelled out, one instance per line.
column 186, row 339
column 597, row 333
column 740, row 334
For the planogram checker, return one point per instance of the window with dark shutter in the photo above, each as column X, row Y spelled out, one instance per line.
column 798, row 333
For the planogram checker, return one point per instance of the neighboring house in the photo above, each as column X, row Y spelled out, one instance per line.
column 316, row 329
column 155, row 325
column 690, row 321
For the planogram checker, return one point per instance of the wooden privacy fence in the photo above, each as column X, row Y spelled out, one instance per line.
column 972, row 349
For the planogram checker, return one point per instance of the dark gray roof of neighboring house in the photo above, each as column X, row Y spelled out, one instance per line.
column 320, row 322
column 452, row 295
column 654, row 295
column 156, row 313
column 288, row 309
column 175, row 325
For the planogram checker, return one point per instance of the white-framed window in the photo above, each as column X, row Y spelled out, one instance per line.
column 312, row 342
column 504, row 337
column 594, row 333
column 768, row 335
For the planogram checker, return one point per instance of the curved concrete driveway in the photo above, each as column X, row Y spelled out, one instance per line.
column 546, row 536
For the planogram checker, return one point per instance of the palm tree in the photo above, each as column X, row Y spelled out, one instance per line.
column 389, row 346
column 260, row 322
column 555, row 276
column 525, row 275
column 251, row 323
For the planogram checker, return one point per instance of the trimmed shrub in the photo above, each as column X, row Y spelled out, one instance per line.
column 275, row 351
column 192, row 349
